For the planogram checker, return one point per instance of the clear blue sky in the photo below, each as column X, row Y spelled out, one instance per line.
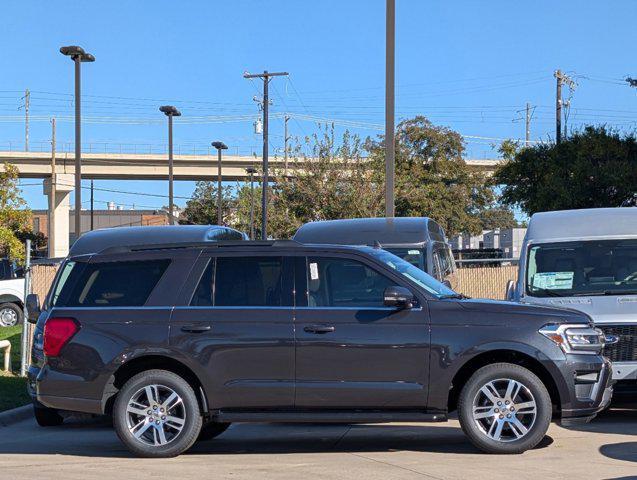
column 466, row 64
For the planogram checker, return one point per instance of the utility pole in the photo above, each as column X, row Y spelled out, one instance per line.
column 558, row 107
column 390, row 141
column 27, row 101
column 265, row 76
column 562, row 79
column 527, row 136
column 91, row 205
column 285, row 143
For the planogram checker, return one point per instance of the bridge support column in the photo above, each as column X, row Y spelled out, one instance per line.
column 58, row 189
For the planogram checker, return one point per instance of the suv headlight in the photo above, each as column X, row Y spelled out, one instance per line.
column 574, row 338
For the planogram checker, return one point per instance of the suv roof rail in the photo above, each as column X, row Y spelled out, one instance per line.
column 215, row 244
column 167, row 236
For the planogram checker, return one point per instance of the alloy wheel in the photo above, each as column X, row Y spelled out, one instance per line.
column 504, row 410
column 155, row 415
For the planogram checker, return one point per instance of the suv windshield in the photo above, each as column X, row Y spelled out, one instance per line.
column 593, row 267
column 413, row 273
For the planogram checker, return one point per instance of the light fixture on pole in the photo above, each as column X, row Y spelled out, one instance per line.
column 78, row 55
column 219, row 146
column 251, row 171
column 170, row 111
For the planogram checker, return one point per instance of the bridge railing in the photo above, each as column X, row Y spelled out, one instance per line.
column 132, row 148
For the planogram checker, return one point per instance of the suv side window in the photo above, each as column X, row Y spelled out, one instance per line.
column 112, row 284
column 241, row 282
column 343, row 282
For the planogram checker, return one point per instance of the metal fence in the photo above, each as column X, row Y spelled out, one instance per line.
column 486, row 282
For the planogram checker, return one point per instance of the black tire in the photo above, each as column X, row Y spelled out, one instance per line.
column 211, row 430
column 188, row 407
column 15, row 310
column 47, row 417
column 511, row 441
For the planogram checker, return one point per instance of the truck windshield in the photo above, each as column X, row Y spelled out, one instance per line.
column 415, row 256
column 414, row 274
column 592, row 267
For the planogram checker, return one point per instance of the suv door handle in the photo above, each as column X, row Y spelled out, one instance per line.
column 319, row 329
column 195, row 328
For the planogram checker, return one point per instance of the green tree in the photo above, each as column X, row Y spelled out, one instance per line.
column 432, row 178
column 497, row 217
column 595, row 167
column 241, row 217
column 334, row 180
column 14, row 216
column 201, row 209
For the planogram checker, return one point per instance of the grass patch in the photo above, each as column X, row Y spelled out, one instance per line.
column 13, row 389
column 13, row 334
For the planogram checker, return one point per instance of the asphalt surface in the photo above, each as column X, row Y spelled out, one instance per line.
column 89, row 449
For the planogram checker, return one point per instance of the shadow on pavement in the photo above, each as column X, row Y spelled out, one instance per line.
column 94, row 438
column 626, row 451
column 617, row 420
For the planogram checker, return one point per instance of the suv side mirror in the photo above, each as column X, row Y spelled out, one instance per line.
column 510, row 291
column 33, row 307
column 399, row 297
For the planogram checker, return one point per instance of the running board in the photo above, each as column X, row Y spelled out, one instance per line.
column 325, row 416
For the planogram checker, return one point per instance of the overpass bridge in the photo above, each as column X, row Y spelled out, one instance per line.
column 127, row 166
column 59, row 181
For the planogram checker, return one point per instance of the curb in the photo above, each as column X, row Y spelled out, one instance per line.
column 16, row 415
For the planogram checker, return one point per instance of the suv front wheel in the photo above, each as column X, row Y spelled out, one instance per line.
column 504, row 408
column 156, row 414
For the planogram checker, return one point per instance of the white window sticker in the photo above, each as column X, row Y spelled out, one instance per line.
column 553, row 280
column 314, row 271
column 413, row 252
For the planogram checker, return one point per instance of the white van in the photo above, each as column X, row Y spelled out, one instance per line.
column 586, row 260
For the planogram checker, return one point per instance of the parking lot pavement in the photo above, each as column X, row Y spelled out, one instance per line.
column 604, row 449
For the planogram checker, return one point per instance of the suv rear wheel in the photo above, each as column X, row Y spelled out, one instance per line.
column 504, row 408
column 156, row 414
column 46, row 417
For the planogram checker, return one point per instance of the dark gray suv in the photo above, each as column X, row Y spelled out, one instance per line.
column 177, row 338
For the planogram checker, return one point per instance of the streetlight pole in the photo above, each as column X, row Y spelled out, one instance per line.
column 219, row 146
column 170, row 111
column 78, row 55
column 251, row 171
column 266, row 76
column 390, row 141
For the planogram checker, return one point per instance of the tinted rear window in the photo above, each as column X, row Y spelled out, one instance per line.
column 241, row 282
column 111, row 284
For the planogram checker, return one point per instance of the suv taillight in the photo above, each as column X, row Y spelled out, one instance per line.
column 57, row 332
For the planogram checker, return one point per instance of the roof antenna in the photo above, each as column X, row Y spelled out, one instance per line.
column 377, row 245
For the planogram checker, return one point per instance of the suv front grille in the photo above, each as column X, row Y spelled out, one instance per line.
column 625, row 350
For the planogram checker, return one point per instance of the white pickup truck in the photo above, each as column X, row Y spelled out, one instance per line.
column 11, row 293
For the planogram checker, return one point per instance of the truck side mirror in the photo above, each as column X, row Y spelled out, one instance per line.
column 399, row 297
column 510, row 291
column 33, row 307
